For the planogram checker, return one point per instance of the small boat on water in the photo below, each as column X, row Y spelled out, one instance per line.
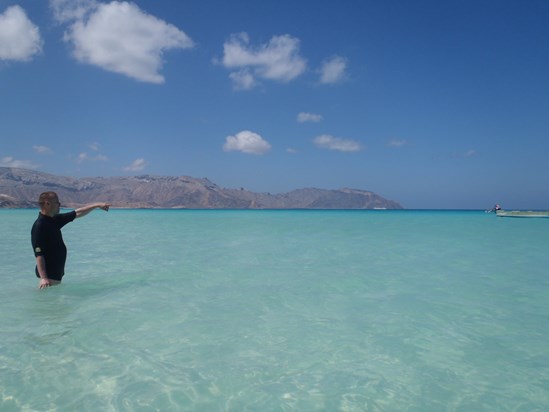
column 522, row 213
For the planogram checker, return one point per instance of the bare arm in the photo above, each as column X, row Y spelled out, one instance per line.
column 41, row 265
column 84, row 210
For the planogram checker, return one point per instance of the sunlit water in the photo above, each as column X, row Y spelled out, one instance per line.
column 279, row 311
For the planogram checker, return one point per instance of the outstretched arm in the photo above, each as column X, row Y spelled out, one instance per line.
column 84, row 210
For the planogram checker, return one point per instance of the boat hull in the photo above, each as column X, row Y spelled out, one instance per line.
column 522, row 213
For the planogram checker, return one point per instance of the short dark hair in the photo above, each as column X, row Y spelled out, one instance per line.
column 45, row 197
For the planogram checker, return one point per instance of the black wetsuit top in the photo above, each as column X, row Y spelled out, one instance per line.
column 47, row 241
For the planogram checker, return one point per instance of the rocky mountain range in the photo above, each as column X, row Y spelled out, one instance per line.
column 20, row 188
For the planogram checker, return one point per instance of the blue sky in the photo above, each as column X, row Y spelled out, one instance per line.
column 434, row 104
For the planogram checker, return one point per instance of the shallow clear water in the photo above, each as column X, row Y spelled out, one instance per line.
column 277, row 311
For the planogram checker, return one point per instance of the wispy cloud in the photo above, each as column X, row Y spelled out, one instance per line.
column 246, row 142
column 397, row 142
column 136, row 166
column 20, row 38
column 278, row 60
column 68, row 10
column 326, row 141
column 304, row 117
column 461, row 154
column 119, row 37
column 42, row 149
column 85, row 157
column 9, row 161
column 243, row 80
column 333, row 70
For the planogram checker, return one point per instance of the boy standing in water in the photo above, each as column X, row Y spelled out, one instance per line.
column 47, row 242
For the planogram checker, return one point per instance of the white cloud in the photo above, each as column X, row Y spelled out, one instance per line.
column 308, row 117
column 94, row 146
column 120, row 37
column 246, row 142
column 397, row 142
column 463, row 155
column 19, row 37
column 279, row 59
column 243, row 80
column 136, row 166
column 9, row 161
column 68, row 10
column 326, row 141
column 83, row 157
column 333, row 70
column 42, row 149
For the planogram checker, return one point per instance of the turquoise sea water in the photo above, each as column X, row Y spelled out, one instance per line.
column 279, row 311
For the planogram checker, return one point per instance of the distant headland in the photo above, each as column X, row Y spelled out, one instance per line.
column 20, row 188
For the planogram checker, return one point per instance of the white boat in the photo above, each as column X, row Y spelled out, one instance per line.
column 522, row 213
